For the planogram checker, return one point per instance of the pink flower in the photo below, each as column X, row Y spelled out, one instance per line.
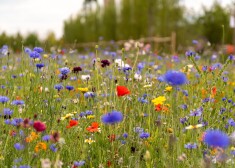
column 39, row 126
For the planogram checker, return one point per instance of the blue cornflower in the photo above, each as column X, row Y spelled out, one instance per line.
column 18, row 160
column 89, row 112
column 24, row 166
column 144, row 135
column 38, row 49
column 7, row 111
column 82, row 114
column 204, row 68
column 190, row 53
column 58, row 87
column 89, row 94
column 184, row 106
column 16, row 121
column 4, row 99
column 231, row 122
column 175, row 78
column 64, row 70
column 17, row 102
column 138, row 130
column 69, row 87
column 195, row 42
column 53, row 147
column 34, row 55
column 140, row 66
column 39, row 66
column 216, row 138
column 185, row 92
column 190, row 146
column 125, row 135
column 46, row 137
column 197, row 112
column 231, row 57
column 79, row 163
column 112, row 117
column 4, row 50
column 19, row 146
column 183, row 120
column 27, row 50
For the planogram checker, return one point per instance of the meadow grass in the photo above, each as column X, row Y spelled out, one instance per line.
column 20, row 79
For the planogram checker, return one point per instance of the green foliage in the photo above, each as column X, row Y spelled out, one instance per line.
column 212, row 22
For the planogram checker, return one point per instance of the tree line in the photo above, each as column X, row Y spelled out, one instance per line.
column 133, row 19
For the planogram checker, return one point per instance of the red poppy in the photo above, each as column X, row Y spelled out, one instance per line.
column 94, row 127
column 39, row 126
column 122, row 91
column 72, row 123
column 158, row 107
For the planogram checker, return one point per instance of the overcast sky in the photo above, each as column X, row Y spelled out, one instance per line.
column 42, row 16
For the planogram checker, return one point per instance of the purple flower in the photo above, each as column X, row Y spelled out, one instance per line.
column 175, row 78
column 64, row 71
column 7, row 111
column 4, row 99
column 197, row 112
column 34, row 55
column 69, row 88
column 190, row 146
column 231, row 122
column 38, row 49
column 39, row 66
column 216, row 138
column 79, row 163
column 144, row 135
column 58, row 87
column 53, row 147
column 19, row 146
column 17, row 102
column 46, row 137
column 112, row 117
column 190, row 53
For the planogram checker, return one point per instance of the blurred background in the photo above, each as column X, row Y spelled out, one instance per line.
column 70, row 23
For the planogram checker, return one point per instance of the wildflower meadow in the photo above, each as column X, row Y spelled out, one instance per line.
column 116, row 108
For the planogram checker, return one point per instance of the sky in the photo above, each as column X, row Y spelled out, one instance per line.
column 42, row 16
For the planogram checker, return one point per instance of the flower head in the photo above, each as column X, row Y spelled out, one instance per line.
column 4, row 99
column 122, row 91
column 72, row 123
column 64, row 70
column 112, row 117
column 39, row 126
column 175, row 78
column 216, row 138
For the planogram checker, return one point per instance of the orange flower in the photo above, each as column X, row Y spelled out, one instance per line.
column 72, row 123
column 31, row 137
column 40, row 146
column 94, row 127
column 213, row 90
column 122, row 91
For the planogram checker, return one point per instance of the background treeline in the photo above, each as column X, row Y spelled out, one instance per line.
column 125, row 19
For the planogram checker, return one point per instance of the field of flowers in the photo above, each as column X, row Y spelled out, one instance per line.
column 117, row 109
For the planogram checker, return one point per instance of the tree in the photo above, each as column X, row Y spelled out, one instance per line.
column 212, row 21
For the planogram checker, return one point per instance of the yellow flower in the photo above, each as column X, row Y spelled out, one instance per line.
column 159, row 100
column 168, row 89
column 90, row 141
column 45, row 55
column 193, row 126
column 90, row 116
column 67, row 116
column 84, row 90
